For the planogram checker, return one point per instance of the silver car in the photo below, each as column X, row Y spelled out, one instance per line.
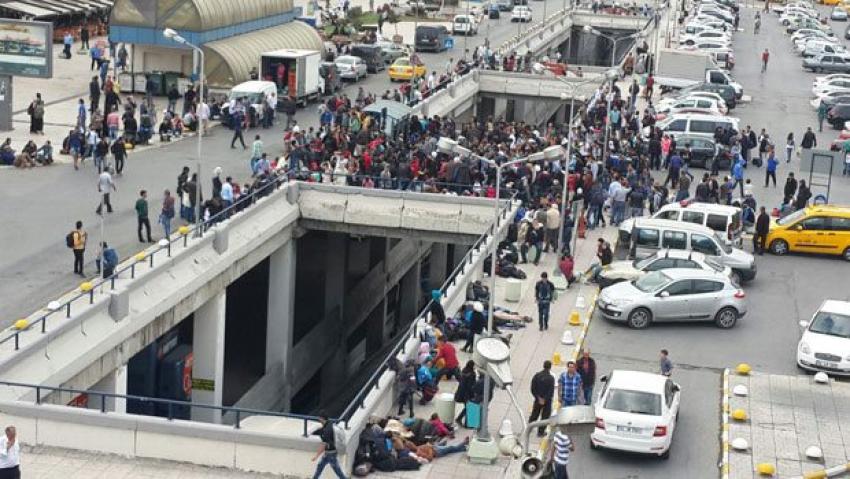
column 351, row 67
column 674, row 295
column 620, row 271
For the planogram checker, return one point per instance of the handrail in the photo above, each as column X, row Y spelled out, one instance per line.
column 360, row 398
column 240, row 412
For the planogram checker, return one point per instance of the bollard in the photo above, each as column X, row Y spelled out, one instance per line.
column 575, row 319
column 556, row 359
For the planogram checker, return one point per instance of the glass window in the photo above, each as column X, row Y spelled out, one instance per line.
column 815, row 223
column 831, row 324
column 675, row 240
column 652, row 281
column 707, row 286
column 668, row 215
column 678, row 125
column 680, row 288
column 686, row 263
column 704, row 244
column 838, row 60
column 647, row 237
column 702, row 126
column 693, row 217
column 663, row 263
column 634, row 402
column 840, row 224
column 716, row 222
column 793, row 217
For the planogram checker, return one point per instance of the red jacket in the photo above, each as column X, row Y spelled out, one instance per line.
column 448, row 354
column 566, row 266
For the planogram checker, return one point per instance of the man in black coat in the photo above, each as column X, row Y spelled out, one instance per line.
column 790, row 188
column 762, row 228
column 543, row 389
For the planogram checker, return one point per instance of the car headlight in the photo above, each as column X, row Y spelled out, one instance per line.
column 621, row 301
column 804, row 348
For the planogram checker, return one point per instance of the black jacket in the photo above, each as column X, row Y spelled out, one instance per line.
column 543, row 385
column 478, row 323
column 762, row 223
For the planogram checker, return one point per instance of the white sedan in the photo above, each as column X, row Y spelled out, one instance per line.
column 815, row 103
column 838, row 14
column 836, row 84
column 826, row 78
column 521, row 13
column 693, row 105
column 714, row 35
column 665, row 103
column 825, row 345
column 636, row 412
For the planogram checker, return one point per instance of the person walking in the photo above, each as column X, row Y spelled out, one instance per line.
column 237, row 131
column 327, row 451
column 664, row 363
column 569, row 385
column 465, row 389
column 586, row 367
column 809, row 140
column 770, row 168
column 142, row 216
column 476, row 326
column 823, row 109
column 544, row 291
column 78, row 244
column 167, row 213
column 36, row 113
column 543, row 390
column 94, row 94
column 119, row 153
column 10, row 455
column 761, row 230
column 563, row 446
column 104, row 186
column 789, row 147
column 765, row 56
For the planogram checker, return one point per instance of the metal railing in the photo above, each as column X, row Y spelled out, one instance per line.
column 171, row 404
column 359, row 400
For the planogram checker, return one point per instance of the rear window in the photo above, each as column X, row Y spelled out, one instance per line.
column 694, row 217
column 716, row 222
column 634, row 402
column 647, row 237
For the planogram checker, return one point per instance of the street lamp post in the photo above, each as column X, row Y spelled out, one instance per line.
column 483, row 448
column 171, row 34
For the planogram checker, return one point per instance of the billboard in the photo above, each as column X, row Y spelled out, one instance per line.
column 26, row 48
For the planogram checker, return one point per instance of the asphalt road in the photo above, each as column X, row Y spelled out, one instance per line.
column 786, row 289
column 39, row 207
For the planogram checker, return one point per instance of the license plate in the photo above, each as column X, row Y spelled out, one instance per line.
column 629, row 429
column 826, row 364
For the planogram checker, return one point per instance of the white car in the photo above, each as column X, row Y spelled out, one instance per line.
column 664, row 259
column 521, row 13
column 826, row 78
column 636, row 412
column 825, row 345
column 710, row 23
column 692, row 28
column 666, row 102
column 693, row 105
column 836, row 84
column 351, row 67
column 811, row 32
column 708, row 47
column 822, row 47
column 465, row 25
column 838, row 14
column 718, row 35
column 815, row 102
column 808, row 43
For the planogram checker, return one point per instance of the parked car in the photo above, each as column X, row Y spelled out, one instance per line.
column 831, row 98
column 403, row 69
column 431, row 38
column 521, row 13
column 391, row 50
column 823, row 229
column 838, row 14
column 494, row 12
column 823, row 47
column 696, row 124
column 620, row 271
column 372, row 56
column 665, row 103
column 727, row 92
column 825, row 343
column 828, row 63
column 724, row 219
column 834, row 84
column 351, row 67
column 693, row 105
column 674, row 295
column 636, row 412
column 464, row 25
column 690, row 39
column 847, row 33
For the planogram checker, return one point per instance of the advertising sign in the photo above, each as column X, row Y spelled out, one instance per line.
column 26, row 48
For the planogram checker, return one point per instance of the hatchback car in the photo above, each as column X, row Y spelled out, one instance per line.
column 521, row 13
column 636, row 412
column 403, row 69
column 827, row 63
column 674, row 295
column 821, row 229
column 620, row 271
column 351, row 68
column 825, row 344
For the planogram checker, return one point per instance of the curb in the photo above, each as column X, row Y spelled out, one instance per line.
column 588, row 317
column 823, row 473
column 724, row 426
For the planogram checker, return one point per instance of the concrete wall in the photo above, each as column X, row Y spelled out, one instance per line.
column 148, row 58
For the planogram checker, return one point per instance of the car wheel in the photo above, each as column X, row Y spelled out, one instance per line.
column 726, row 318
column 779, row 247
column 847, row 253
column 639, row 318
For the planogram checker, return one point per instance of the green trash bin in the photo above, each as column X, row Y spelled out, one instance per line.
column 158, row 79
column 171, row 80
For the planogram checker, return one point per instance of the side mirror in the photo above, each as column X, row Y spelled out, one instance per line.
column 676, row 387
column 664, row 294
column 804, row 324
column 603, row 379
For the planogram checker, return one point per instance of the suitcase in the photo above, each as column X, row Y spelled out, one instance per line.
column 473, row 415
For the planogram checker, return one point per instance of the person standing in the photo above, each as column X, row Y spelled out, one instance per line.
column 542, row 389
column 790, row 188
column 36, row 113
column 664, row 363
column 803, row 196
column 167, row 213
column 569, row 385
column 79, row 238
column 586, row 367
column 256, row 153
column 561, row 454
column 476, row 325
column 823, row 109
column 765, row 56
column 104, row 186
column 465, row 389
column 10, row 455
column 770, row 169
column 327, row 450
column 761, row 230
column 94, row 94
column 107, row 260
column 789, row 147
column 119, row 152
column 809, row 140
column 203, row 116
column 84, row 37
column 553, row 223
column 544, row 291
column 142, row 216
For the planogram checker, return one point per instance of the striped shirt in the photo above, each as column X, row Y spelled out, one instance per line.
column 562, row 448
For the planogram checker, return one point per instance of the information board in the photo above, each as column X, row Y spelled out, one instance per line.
column 26, row 48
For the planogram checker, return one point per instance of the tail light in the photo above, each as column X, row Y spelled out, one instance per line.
column 600, row 423
column 740, row 294
column 660, row 431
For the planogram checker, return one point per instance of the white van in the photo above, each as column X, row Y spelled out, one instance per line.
column 696, row 124
column 724, row 219
column 255, row 92
column 465, row 25
column 650, row 235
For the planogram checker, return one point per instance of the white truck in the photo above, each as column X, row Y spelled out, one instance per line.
column 295, row 72
column 681, row 69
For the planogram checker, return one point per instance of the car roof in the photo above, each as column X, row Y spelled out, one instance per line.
column 692, row 273
column 703, row 116
column 829, row 210
column 835, row 306
column 680, row 254
column 697, row 205
column 673, row 224
column 636, row 381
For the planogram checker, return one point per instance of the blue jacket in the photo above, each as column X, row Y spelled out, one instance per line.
column 110, row 257
column 423, row 376
column 738, row 170
column 772, row 163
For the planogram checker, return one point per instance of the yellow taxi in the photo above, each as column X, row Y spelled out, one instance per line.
column 831, row 2
column 823, row 229
column 403, row 69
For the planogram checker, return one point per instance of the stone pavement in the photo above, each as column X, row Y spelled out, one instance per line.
column 529, row 348
column 785, row 416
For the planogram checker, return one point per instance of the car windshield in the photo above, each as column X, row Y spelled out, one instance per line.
column 640, row 264
column 253, row 98
column 713, row 264
column 634, row 402
column 832, row 324
column 652, row 281
column 402, row 62
column 792, row 218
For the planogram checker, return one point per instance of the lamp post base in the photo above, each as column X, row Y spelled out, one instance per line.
column 482, row 451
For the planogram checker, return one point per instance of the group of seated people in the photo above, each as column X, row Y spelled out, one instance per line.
column 173, row 125
column 31, row 155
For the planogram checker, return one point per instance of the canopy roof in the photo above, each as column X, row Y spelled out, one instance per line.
column 52, row 8
column 194, row 15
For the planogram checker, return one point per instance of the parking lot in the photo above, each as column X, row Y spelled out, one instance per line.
column 786, row 289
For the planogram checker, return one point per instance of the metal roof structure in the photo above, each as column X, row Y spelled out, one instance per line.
column 38, row 9
column 193, row 15
column 230, row 61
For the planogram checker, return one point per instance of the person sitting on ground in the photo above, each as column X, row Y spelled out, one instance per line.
column 443, row 430
column 44, row 155
column 7, row 153
column 177, row 125
column 566, row 266
column 25, row 158
column 189, row 121
column 165, row 130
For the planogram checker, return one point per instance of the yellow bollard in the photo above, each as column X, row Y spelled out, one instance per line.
column 739, row 415
column 140, row 256
column 183, row 230
column 556, row 359
column 743, row 369
column 86, row 287
column 21, row 324
column 575, row 319
column 766, row 469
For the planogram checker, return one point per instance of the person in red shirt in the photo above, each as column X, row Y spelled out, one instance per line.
column 442, row 429
column 566, row 265
column 446, row 351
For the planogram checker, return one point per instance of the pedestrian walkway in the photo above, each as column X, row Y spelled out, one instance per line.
column 529, row 348
column 783, row 417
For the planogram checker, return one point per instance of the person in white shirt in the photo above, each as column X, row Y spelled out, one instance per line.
column 561, row 453
column 204, row 116
column 10, row 455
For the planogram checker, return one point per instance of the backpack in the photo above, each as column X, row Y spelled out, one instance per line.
column 69, row 240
